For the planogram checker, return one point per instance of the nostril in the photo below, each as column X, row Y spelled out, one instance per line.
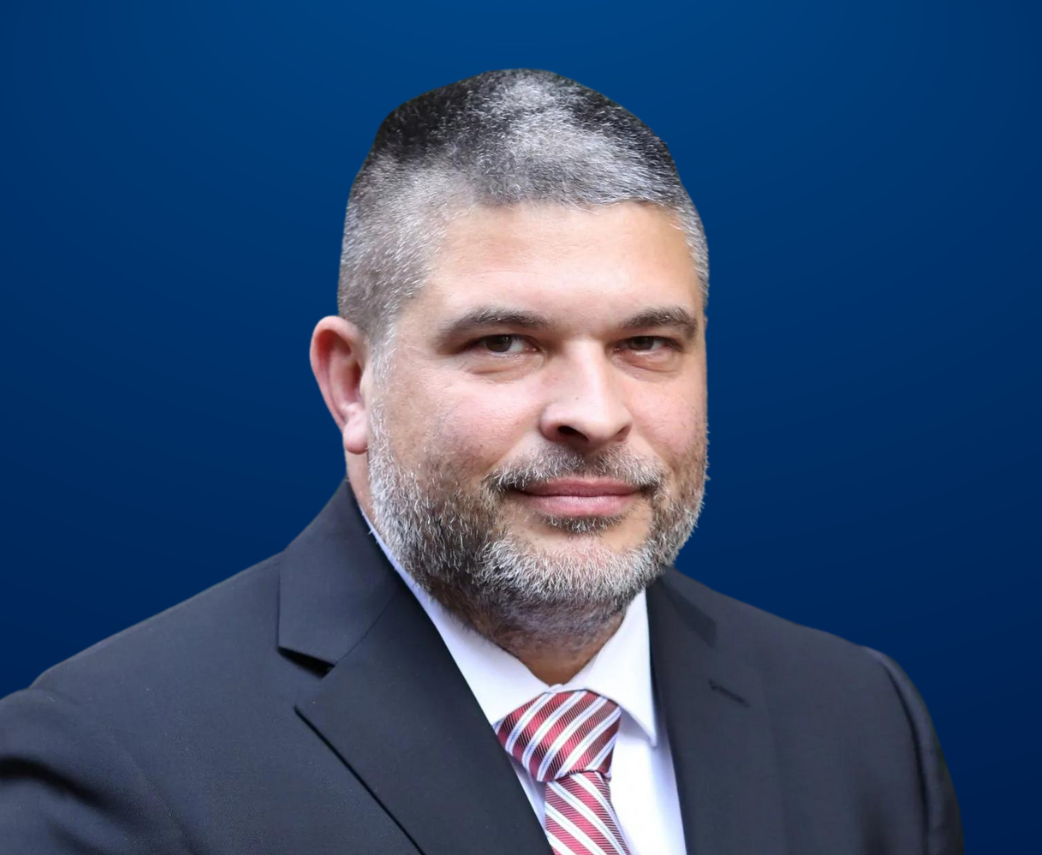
column 567, row 430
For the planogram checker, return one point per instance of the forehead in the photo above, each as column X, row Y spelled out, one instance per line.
column 562, row 260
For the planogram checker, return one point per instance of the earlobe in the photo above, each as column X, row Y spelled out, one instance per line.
column 356, row 429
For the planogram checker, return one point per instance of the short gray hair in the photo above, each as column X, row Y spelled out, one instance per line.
column 499, row 138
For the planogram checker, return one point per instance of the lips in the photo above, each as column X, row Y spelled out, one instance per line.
column 580, row 497
column 584, row 487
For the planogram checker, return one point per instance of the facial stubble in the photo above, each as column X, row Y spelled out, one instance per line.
column 451, row 536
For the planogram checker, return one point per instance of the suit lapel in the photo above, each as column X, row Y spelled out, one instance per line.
column 395, row 707
column 719, row 731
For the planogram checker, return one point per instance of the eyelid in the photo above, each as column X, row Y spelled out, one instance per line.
column 473, row 343
column 668, row 341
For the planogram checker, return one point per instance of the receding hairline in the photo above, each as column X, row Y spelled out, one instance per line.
column 453, row 236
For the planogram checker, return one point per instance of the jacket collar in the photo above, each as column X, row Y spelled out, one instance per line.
column 333, row 583
column 720, row 733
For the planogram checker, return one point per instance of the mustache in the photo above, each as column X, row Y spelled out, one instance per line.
column 617, row 464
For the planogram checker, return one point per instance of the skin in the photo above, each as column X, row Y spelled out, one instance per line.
column 485, row 395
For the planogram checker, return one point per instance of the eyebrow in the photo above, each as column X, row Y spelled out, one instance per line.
column 491, row 316
column 674, row 317
column 483, row 317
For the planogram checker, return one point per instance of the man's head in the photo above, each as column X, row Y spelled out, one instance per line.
column 521, row 323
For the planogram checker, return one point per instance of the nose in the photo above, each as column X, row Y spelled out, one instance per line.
column 585, row 407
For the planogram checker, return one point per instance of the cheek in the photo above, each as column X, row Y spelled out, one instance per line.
column 674, row 425
column 478, row 427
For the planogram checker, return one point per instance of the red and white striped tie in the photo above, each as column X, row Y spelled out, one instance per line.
column 565, row 740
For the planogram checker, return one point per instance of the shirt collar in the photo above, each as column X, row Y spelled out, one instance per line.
column 621, row 669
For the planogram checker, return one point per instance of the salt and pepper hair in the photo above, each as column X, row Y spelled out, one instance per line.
column 499, row 138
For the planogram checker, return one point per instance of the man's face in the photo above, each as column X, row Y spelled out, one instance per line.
column 542, row 425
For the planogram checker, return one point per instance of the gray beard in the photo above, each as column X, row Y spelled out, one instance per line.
column 451, row 538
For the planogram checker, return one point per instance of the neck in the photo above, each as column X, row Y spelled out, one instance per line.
column 553, row 660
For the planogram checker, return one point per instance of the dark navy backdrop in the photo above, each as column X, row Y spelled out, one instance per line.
column 173, row 183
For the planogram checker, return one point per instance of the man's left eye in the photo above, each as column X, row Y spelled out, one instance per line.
column 647, row 342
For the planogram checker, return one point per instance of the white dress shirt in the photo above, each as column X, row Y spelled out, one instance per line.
column 643, row 786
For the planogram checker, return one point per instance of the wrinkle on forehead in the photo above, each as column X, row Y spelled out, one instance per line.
column 523, row 249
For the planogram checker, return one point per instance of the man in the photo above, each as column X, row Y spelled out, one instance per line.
column 479, row 645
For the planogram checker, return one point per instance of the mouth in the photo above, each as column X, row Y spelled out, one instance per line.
column 579, row 498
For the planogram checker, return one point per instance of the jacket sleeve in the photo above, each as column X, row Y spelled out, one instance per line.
column 941, row 809
column 67, row 786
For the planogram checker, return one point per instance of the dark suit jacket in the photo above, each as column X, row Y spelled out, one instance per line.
column 307, row 705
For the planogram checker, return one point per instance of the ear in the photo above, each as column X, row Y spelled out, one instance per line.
column 338, row 359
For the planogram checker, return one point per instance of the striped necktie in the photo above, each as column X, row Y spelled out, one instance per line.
column 565, row 740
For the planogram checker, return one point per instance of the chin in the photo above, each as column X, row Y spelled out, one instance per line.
column 585, row 533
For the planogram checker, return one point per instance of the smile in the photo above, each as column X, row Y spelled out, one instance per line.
column 579, row 498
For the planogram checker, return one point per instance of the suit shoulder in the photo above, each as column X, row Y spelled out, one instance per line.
column 815, row 680
column 234, row 612
column 777, row 646
column 833, row 698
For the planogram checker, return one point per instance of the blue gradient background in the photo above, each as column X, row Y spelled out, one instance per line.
column 173, row 179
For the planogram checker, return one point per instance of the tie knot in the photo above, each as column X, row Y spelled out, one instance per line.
column 561, row 733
